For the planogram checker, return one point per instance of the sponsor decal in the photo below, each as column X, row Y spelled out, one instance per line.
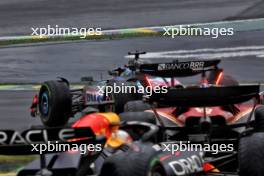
column 186, row 166
column 194, row 65
column 10, row 137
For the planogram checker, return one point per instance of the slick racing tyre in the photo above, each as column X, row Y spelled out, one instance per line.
column 131, row 163
column 136, row 106
column 251, row 154
column 121, row 98
column 138, row 116
column 259, row 118
column 55, row 103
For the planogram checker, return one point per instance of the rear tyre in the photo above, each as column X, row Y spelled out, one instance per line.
column 259, row 118
column 138, row 116
column 55, row 103
column 121, row 98
column 136, row 106
column 251, row 154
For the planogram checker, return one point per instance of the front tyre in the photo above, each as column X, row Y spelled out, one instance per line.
column 132, row 163
column 55, row 103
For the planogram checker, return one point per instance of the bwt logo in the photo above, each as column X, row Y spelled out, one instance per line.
column 194, row 65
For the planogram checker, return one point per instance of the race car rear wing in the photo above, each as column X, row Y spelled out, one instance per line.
column 205, row 97
column 179, row 69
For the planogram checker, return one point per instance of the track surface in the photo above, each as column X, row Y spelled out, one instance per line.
column 38, row 63
column 73, row 60
column 18, row 16
column 14, row 108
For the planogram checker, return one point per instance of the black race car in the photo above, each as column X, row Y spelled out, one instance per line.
column 224, row 134
column 56, row 102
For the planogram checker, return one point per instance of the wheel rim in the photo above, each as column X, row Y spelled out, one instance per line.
column 44, row 104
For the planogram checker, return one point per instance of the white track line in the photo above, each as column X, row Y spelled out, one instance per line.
column 208, row 53
column 194, row 24
column 258, row 22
